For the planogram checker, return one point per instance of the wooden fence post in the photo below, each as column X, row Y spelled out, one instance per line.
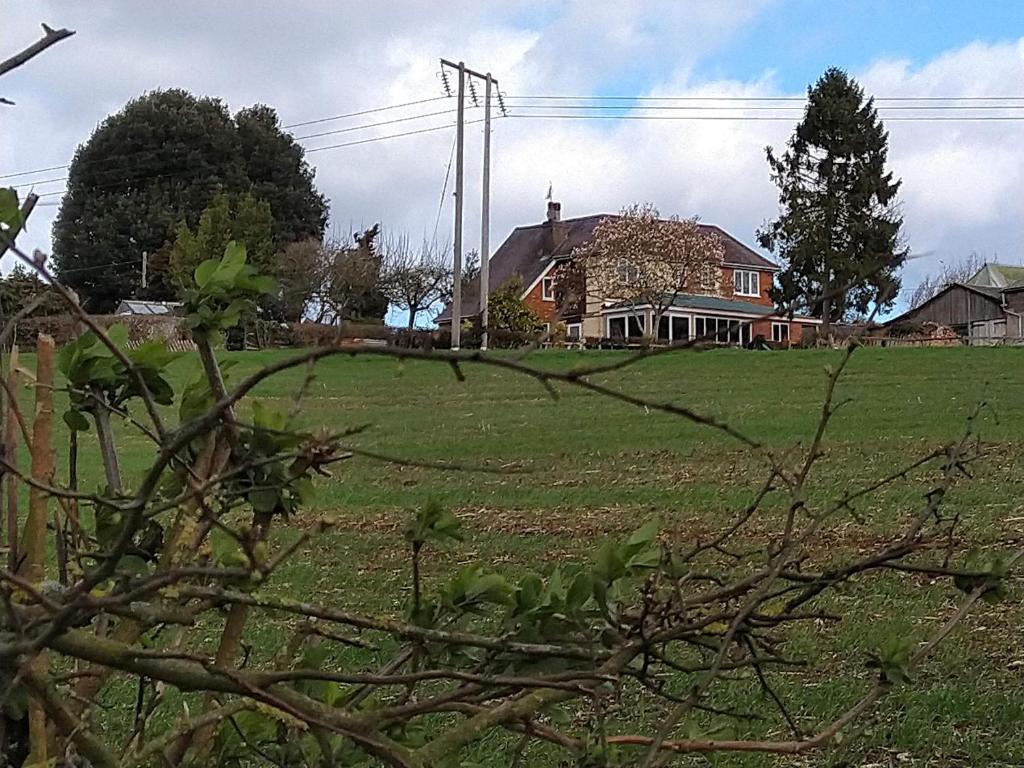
column 34, row 535
column 11, row 455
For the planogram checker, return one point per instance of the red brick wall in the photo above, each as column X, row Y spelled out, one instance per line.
column 764, row 328
column 765, row 279
column 546, row 310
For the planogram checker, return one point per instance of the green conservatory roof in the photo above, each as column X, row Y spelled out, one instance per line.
column 712, row 304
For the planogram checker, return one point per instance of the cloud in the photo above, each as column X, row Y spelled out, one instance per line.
column 961, row 181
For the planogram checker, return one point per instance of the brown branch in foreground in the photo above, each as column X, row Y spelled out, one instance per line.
column 50, row 37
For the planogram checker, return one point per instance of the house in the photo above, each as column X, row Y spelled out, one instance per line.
column 134, row 307
column 985, row 309
column 536, row 252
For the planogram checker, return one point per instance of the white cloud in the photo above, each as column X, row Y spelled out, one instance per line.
column 962, row 182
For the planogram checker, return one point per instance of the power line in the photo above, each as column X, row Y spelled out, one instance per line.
column 28, row 173
column 762, row 107
column 285, row 127
column 756, row 118
column 374, row 125
column 766, row 98
column 390, row 136
column 362, row 112
column 444, row 189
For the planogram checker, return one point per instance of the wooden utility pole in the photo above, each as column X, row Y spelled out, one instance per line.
column 485, row 246
column 460, row 140
column 485, row 215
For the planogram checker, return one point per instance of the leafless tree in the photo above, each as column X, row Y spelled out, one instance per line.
column 415, row 278
column 954, row 272
column 642, row 260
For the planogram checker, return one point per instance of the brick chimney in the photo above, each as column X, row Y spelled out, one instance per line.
column 555, row 230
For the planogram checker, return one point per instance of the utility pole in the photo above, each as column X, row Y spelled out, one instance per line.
column 145, row 270
column 485, row 216
column 460, row 136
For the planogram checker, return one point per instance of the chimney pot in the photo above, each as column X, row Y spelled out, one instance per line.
column 554, row 211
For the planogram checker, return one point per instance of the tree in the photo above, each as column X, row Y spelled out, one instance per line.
column 838, row 231
column 954, row 272
column 159, row 162
column 640, row 259
column 301, row 276
column 23, row 291
column 508, row 312
column 244, row 219
column 352, row 286
column 414, row 279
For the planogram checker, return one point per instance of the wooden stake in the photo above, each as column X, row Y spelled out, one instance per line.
column 11, row 455
column 34, row 561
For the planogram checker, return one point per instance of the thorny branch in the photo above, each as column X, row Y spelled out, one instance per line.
column 671, row 621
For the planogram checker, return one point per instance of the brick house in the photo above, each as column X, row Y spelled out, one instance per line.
column 536, row 252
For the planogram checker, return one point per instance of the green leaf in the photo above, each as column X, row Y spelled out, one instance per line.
column 10, row 212
column 205, row 271
column 118, row 334
column 264, row 500
column 579, row 591
column 76, row 420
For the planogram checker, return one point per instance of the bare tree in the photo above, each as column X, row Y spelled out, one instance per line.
column 351, row 284
column 415, row 278
column 303, row 274
column 954, row 272
column 642, row 260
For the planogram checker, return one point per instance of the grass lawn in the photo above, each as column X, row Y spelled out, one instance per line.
column 588, row 467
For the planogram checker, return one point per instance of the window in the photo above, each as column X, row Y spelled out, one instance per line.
column 626, row 272
column 708, row 277
column 745, row 282
column 699, row 327
column 547, row 289
column 780, row 332
column 546, row 328
column 574, row 331
column 636, row 326
column 663, row 325
column 617, row 327
column 680, row 328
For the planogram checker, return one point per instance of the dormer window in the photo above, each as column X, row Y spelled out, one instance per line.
column 746, row 282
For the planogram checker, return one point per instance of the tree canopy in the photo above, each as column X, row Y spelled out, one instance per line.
column 838, row 230
column 641, row 259
column 158, row 164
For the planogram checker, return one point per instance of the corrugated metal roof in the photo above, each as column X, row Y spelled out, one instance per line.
column 997, row 276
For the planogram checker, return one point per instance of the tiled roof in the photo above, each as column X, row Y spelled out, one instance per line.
column 524, row 253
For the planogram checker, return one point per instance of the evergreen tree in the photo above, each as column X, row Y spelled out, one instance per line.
column 159, row 162
column 838, row 231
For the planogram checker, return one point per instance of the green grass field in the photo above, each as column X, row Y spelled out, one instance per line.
column 588, row 467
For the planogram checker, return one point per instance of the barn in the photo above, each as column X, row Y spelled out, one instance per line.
column 987, row 309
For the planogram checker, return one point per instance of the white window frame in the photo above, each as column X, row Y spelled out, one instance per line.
column 570, row 327
column 777, row 334
column 746, row 282
column 547, row 289
column 708, row 277
column 627, row 272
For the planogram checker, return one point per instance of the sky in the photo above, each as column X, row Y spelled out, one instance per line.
column 963, row 181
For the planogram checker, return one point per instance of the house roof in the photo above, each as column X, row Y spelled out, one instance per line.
column 523, row 253
column 998, row 276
